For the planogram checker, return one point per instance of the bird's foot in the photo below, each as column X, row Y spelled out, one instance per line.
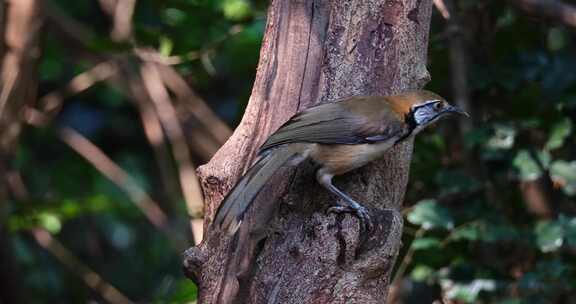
column 360, row 212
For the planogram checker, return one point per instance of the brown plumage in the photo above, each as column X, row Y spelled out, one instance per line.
column 340, row 137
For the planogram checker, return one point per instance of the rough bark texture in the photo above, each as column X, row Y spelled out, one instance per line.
column 314, row 52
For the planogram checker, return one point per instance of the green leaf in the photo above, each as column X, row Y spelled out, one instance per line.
column 429, row 215
column 166, row 46
column 426, row 243
column 50, row 222
column 528, row 166
column 236, row 9
column 186, row 292
column 467, row 292
column 469, row 232
column 421, row 273
column 503, row 138
column 560, row 131
column 569, row 226
column 549, row 276
column 174, row 16
column 549, row 235
column 564, row 173
column 556, row 39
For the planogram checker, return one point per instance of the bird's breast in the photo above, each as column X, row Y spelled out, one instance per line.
column 339, row 159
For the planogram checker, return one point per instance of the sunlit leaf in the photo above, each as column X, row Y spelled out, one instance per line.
column 560, row 131
column 549, row 236
column 467, row 292
column 425, row 243
column 70, row 208
column 236, row 9
column 166, row 46
column 429, row 215
column 528, row 166
column 564, row 174
column 503, row 137
column 421, row 273
column 50, row 222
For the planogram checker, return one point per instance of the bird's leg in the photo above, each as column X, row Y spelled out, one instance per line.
column 347, row 205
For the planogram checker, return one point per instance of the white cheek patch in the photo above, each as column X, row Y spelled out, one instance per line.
column 422, row 115
column 424, row 112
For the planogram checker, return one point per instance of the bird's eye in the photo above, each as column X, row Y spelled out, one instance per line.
column 438, row 106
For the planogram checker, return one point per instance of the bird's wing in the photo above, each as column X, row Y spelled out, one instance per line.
column 340, row 123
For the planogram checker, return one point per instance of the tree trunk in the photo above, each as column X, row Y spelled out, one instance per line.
column 313, row 52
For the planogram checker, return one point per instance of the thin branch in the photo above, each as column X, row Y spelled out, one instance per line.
column 196, row 105
column 169, row 119
column 20, row 38
column 89, row 276
column 553, row 10
column 156, row 138
column 21, row 22
column 116, row 174
column 135, row 88
column 154, row 56
column 16, row 185
column 122, row 29
column 51, row 103
column 407, row 259
column 2, row 27
column 441, row 7
column 160, row 98
column 108, row 6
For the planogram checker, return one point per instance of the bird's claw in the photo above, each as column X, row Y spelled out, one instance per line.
column 362, row 214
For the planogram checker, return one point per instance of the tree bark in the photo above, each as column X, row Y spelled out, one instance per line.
column 314, row 52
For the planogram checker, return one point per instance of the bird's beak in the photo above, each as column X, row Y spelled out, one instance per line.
column 457, row 110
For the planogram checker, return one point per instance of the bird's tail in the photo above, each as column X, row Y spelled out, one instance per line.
column 231, row 211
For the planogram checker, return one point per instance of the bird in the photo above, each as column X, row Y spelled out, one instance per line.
column 338, row 137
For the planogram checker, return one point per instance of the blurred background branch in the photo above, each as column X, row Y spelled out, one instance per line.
column 108, row 292
column 21, row 21
column 113, row 172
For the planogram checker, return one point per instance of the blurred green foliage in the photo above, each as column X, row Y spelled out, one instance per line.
column 475, row 232
column 217, row 43
column 469, row 197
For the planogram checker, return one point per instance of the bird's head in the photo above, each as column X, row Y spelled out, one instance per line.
column 423, row 108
